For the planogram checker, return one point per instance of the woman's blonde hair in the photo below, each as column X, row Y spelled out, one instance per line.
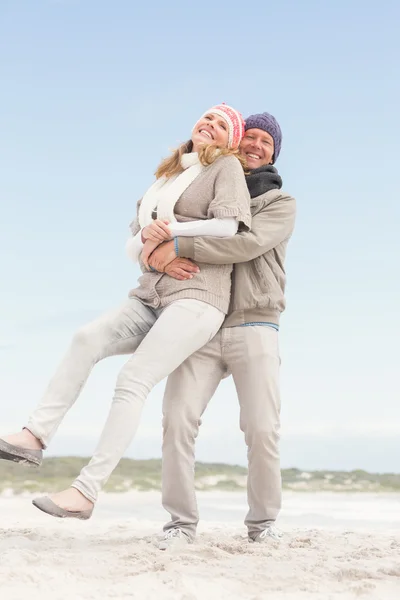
column 207, row 155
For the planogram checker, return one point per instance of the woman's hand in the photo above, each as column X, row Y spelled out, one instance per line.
column 148, row 248
column 158, row 231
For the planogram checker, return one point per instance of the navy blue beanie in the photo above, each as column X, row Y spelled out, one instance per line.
column 267, row 123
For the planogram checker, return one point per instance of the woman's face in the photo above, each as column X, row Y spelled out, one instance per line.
column 257, row 147
column 210, row 130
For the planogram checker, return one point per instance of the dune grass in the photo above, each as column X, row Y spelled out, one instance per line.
column 58, row 472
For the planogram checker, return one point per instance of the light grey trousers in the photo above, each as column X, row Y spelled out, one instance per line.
column 251, row 355
column 160, row 341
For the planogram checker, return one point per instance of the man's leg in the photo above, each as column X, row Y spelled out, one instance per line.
column 181, row 329
column 254, row 362
column 189, row 389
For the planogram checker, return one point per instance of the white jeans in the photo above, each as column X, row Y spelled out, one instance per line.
column 160, row 340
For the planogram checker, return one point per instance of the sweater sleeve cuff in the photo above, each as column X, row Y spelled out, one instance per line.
column 185, row 247
column 244, row 219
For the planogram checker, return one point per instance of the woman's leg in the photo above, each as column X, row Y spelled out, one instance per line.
column 189, row 389
column 181, row 329
column 254, row 363
column 117, row 332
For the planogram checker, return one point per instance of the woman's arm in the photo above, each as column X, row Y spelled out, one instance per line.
column 226, row 227
column 132, row 247
column 211, row 227
column 231, row 196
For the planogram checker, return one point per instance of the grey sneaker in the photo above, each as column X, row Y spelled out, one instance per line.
column 174, row 538
column 270, row 532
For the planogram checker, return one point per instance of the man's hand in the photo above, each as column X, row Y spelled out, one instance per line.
column 161, row 257
column 164, row 260
column 182, row 269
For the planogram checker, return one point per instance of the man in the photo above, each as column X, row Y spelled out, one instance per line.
column 246, row 346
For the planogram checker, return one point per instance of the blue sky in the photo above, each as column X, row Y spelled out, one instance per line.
column 94, row 93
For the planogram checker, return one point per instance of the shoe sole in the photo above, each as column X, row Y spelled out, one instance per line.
column 7, row 453
column 50, row 508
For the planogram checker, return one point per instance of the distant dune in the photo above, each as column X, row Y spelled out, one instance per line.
column 144, row 475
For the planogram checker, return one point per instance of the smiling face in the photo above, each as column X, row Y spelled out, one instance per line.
column 257, row 147
column 210, row 130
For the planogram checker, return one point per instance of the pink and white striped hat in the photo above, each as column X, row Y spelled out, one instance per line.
column 234, row 121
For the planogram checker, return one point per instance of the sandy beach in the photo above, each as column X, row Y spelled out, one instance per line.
column 335, row 545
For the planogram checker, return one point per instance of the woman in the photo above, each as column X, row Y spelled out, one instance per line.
column 163, row 322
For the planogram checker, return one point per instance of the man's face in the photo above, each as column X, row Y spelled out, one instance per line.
column 257, row 147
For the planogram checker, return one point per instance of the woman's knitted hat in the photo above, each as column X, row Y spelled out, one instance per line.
column 267, row 123
column 234, row 121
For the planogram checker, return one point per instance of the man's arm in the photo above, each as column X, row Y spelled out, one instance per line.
column 269, row 228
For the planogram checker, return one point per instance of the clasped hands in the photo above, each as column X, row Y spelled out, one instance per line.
column 159, row 252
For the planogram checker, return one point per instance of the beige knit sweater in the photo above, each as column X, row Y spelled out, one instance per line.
column 219, row 191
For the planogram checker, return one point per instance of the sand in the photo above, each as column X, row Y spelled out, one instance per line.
column 343, row 546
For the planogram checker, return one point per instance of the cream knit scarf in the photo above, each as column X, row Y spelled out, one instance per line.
column 164, row 193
